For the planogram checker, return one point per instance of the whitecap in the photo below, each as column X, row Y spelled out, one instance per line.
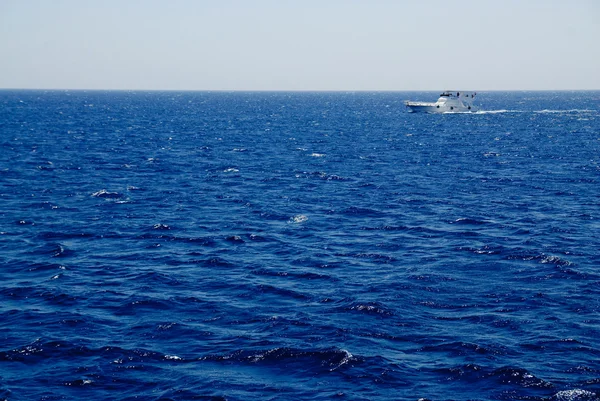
column 347, row 358
column 317, row 155
column 103, row 193
column 574, row 395
column 160, row 226
column 299, row 218
column 231, row 170
column 552, row 259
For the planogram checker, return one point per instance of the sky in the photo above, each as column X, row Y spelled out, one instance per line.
column 300, row 45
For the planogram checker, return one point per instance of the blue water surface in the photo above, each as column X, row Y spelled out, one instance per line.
column 298, row 246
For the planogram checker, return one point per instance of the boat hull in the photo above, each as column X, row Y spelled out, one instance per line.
column 425, row 108
column 439, row 109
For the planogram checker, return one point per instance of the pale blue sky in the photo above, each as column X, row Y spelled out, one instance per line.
column 300, row 44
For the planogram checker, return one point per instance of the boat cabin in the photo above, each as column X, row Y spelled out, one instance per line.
column 455, row 94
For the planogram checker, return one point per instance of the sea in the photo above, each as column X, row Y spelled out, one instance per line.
column 163, row 245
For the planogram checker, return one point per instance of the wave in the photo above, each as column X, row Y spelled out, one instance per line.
column 360, row 212
column 321, row 175
column 299, row 218
column 571, row 111
column 52, row 249
column 503, row 376
column 469, row 221
column 331, row 359
column 538, row 257
column 296, row 275
column 280, row 292
column 575, row 395
column 207, row 241
column 103, row 193
column 544, row 111
column 369, row 308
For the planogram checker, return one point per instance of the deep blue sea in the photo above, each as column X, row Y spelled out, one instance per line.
column 298, row 246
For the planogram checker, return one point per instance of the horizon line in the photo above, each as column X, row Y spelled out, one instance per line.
column 289, row 90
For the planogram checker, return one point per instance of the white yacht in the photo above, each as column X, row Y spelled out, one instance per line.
column 449, row 102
